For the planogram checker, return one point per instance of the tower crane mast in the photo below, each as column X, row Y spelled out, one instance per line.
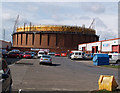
column 92, row 24
column 16, row 21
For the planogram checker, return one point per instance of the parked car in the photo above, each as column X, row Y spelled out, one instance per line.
column 88, row 56
column 13, row 55
column 77, row 55
column 114, row 57
column 45, row 59
column 63, row 54
column 33, row 53
column 51, row 53
column 27, row 55
column 40, row 53
column 57, row 54
column 21, row 54
column 5, row 77
column 4, row 52
column 15, row 50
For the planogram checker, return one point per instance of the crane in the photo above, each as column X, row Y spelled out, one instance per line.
column 16, row 21
column 92, row 24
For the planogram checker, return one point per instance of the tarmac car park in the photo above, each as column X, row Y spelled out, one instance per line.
column 60, row 73
column 34, row 75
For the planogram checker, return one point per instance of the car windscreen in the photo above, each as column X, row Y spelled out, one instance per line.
column 46, row 56
column 41, row 53
column 63, row 52
column 28, row 53
column 76, row 53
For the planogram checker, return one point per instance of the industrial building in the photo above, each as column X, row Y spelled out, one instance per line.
column 104, row 46
column 5, row 45
column 56, row 38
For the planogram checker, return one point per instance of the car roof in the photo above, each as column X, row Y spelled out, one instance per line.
column 46, row 55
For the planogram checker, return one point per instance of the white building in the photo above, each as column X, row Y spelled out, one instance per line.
column 104, row 46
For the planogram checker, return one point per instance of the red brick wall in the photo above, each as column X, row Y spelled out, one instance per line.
column 44, row 40
column 24, row 40
column 56, row 41
column 13, row 39
column 37, row 40
column 52, row 40
column 60, row 41
column 29, row 41
column 68, row 40
column 19, row 39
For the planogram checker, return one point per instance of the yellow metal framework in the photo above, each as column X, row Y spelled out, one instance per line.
column 56, row 28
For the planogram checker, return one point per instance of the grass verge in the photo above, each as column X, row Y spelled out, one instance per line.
column 111, row 66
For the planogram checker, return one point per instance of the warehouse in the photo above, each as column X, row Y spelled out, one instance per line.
column 104, row 46
column 5, row 45
column 56, row 38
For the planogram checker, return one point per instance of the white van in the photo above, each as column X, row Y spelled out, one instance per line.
column 40, row 53
column 114, row 57
column 76, row 55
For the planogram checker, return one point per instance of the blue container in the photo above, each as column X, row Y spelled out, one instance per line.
column 101, row 59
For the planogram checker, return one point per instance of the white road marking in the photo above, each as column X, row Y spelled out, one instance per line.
column 19, row 90
column 57, row 89
column 12, row 65
column 17, row 61
column 30, row 88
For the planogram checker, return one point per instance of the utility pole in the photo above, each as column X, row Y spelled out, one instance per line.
column 3, row 34
column 30, row 26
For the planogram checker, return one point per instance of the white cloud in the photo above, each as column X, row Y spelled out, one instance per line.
column 6, row 16
column 64, row 14
column 100, row 23
column 94, row 7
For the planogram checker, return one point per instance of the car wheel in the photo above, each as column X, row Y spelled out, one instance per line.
column 50, row 63
column 72, row 58
column 40, row 63
column 18, row 57
column 6, row 56
column 118, row 61
column 10, row 89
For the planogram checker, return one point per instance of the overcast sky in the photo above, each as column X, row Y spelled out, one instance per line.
column 62, row 13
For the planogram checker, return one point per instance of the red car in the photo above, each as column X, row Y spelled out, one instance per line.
column 63, row 54
column 57, row 54
column 13, row 55
column 27, row 55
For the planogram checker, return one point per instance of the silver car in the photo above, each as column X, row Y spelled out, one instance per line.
column 45, row 59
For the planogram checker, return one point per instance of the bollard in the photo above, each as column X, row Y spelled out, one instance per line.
column 107, row 82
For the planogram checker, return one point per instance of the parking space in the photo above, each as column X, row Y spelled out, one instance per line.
column 63, row 75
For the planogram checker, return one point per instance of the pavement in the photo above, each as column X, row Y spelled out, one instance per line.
column 63, row 75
